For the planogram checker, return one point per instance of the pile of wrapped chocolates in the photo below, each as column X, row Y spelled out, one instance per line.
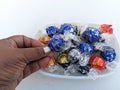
column 80, row 49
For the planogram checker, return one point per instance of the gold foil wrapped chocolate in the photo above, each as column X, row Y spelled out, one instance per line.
column 63, row 59
column 45, row 39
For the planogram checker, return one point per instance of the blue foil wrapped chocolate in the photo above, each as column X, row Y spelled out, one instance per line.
column 91, row 35
column 52, row 30
column 85, row 47
column 108, row 53
column 56, row 44
column 68, row 28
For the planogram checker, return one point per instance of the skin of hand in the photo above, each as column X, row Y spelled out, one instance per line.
column 20, row 56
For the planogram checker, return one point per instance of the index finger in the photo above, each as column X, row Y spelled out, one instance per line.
column 22, row 41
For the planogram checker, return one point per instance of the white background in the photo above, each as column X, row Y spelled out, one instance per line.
column 27, row 16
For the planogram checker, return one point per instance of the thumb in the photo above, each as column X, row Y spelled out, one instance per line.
column 31, row 54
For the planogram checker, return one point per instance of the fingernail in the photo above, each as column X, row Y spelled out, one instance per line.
column 46, row 50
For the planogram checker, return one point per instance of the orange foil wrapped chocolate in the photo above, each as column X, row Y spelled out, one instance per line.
column 51, row 63
column 45, row 39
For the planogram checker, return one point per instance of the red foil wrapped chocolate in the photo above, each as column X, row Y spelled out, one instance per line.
column 97, row 62
column 106, row 28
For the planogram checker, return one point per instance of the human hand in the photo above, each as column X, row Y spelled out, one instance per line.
column 20, row 56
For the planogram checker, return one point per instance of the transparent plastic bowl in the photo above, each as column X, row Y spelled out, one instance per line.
column 105, row 73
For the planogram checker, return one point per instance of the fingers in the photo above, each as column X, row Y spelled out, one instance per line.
column 51, row 54
column 22, row 41
column 31, row 54
column 35, row 66
column 31, row 49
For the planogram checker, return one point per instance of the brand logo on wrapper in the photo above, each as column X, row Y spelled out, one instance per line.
column 81, row 49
